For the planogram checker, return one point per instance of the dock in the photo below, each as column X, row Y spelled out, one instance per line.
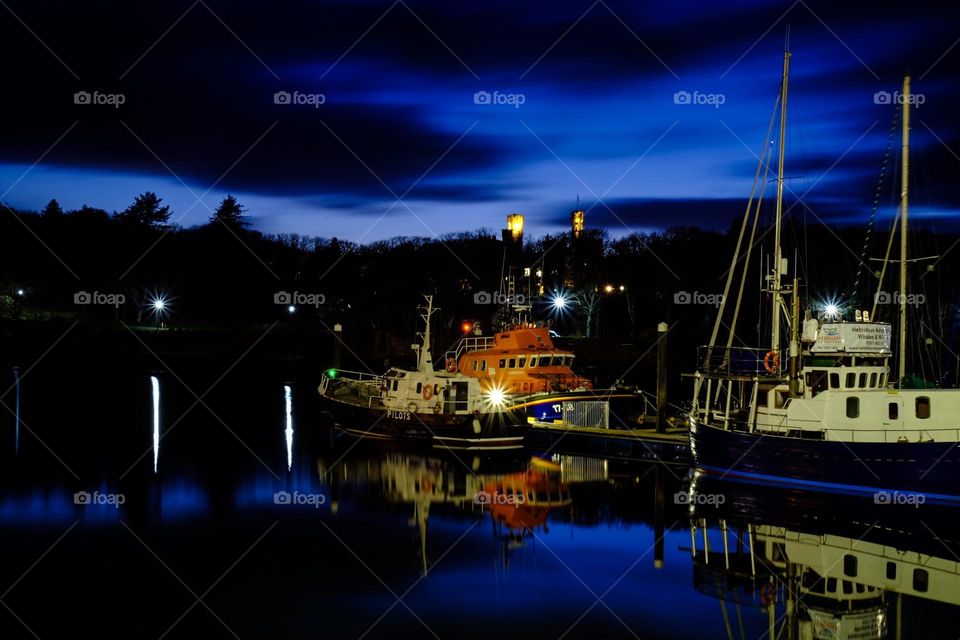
column 639, row 443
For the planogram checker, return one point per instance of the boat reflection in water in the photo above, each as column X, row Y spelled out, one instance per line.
column 825, row 566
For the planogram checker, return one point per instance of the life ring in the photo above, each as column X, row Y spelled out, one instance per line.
column 451, row 364
column 771, row 362
column 427, row 391
column 768, row 594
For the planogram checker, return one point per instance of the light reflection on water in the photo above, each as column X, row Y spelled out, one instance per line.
column 288, row 432
column 155, row 388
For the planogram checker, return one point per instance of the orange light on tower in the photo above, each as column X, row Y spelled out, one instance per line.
column 515, row 226
column 466, row 327
column 576, row 222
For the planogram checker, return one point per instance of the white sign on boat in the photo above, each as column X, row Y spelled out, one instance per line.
column 853, row 337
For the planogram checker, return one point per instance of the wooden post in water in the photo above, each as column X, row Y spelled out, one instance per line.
column 662, row 329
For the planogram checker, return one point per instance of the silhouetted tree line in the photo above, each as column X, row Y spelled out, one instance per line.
column 224, row 273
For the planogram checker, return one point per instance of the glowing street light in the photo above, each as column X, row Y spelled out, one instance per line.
column 20, row 292
column 291, row 309
column 608, row 288
column 559, row 301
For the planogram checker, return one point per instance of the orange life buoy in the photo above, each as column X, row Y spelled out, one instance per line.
column 768, row 594
column 427, row 391
column 771, row 362
column 451, row 364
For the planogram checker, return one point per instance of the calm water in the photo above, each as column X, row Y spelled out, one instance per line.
column 242, row 515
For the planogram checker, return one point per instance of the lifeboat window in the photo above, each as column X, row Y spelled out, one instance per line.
column 475, row 365
column 893, row 410
column 853, row 407
column 513, row 363
column 521, row 363
column 419, row 387
column 503, row 363
column 850, row 566
column 436, row 389
column 891, row 571
column 851, row 380
column 533, row 361
column 863, row 381
column 483, row 365
column 921, row 580
column 834, row 380
column 923, row 407
column 873, row 381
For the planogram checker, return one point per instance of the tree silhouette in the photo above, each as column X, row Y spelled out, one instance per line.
column 52, row 209
column 145, row 211
column 230, row 213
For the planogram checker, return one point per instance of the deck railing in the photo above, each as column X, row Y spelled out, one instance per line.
column 468, row 344
column 742, row 361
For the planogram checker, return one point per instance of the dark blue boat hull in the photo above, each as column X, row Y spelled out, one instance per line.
column 931, row 468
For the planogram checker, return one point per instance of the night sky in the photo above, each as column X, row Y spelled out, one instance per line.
column 580, row 100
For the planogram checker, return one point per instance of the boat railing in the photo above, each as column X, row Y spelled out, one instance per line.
column 742, row 361
column 468, row 344
column 342, row 377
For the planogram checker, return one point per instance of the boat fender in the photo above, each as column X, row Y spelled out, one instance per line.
column 476, row 426
column 771, row 362
column 451, row 365
column 412, row 407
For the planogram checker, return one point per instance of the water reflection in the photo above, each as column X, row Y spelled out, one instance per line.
column 155, row 388
column 288, row 432
column 825, row 566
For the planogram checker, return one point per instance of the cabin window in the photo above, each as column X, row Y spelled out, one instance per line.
column 831, row 585
column 863, row 381
column 436, row 389
column 891, row 571
column 923, row 407
column 474, row 365
column 883, row 379
column 419, row 387
column 921, row 580
column 533, row 361
column 873, row 381
column 893, row 410
column 817, row 381
column 513, row 363
column 853, row 407
column 395, row 384
column 483, row 365
column 850, row 565
column 847, row 587
column 851, row 381
column 834, row 380
column 521, row 363
column 503, row 363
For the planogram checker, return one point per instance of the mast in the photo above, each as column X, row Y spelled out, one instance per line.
column 425, row 358
column 904, row 188
column 777, row 258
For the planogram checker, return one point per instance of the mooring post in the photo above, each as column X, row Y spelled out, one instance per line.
column 661, row 376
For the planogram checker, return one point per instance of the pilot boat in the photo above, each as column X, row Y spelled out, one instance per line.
column 448, row 409
column 832, row 419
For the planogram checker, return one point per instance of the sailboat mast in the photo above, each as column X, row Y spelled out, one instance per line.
column 777, row 258
column 904, row 189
